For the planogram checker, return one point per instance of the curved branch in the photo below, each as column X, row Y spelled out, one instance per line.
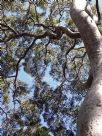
column 89, row 12
column 56, row 34
column 68, row 32
column 17, row 66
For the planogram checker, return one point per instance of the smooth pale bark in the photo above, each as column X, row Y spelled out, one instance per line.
column 90, row 115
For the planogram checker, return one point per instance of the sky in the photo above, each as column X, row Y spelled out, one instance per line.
column 29, row 80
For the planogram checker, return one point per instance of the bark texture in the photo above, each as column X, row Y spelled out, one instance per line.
column 90, row 115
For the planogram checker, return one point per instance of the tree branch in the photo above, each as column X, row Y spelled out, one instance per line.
column 65, row 63
column 56, row 34
column 68, row 32
column 98, row 12
column 7, row 26
column 17, row 66
column 4, row 112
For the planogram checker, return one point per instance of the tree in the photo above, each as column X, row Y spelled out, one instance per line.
column 89, row 122
column 42, row 45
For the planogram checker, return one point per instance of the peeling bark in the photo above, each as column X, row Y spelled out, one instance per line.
column 90, row 115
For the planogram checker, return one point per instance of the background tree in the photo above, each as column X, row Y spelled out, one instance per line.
column 41, row 38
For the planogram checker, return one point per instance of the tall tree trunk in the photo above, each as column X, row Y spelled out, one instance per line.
column 90, row 114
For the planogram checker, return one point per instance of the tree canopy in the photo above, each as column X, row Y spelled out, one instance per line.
column 39, row 38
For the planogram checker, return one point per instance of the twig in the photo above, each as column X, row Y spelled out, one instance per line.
column 7, row 26
column 65, row 63
column 17, row 66
column 4, row 112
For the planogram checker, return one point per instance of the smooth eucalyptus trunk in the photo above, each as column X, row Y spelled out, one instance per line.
column 90, row 115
